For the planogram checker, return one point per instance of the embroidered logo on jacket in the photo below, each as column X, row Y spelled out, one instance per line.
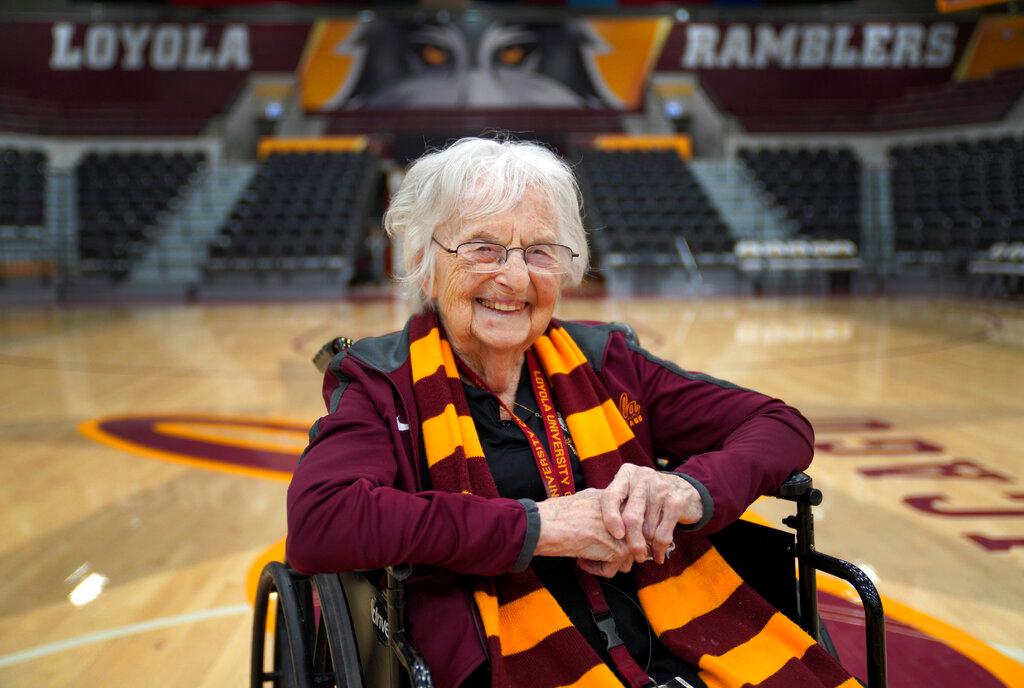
column 630, row 410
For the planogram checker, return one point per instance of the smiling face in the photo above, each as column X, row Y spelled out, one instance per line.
column 490, row 317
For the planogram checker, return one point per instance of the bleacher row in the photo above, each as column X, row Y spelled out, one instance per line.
column 22, row 187
column 301, row 211
column 306, row 211
column 120, row 200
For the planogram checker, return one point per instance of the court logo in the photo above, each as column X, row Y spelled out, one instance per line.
column 262, row 448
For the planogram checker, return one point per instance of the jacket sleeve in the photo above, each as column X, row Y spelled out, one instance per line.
column 735, row 444
column 345, row 513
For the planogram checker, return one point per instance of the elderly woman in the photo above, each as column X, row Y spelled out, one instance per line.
column 508, row 457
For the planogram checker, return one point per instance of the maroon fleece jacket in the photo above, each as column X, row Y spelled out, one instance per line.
column 357, row 499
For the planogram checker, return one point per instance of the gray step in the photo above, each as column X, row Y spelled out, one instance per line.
column 180, row 250
column 734, row 191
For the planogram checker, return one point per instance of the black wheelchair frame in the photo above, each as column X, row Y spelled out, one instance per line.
column 343, row 630
column 339, row 629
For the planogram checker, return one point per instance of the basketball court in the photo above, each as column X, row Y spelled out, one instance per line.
column 146, row 453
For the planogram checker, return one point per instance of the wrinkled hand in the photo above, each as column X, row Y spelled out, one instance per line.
column 573, row 526
column 643, row 506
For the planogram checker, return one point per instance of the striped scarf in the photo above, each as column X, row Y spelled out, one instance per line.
column 699, row 607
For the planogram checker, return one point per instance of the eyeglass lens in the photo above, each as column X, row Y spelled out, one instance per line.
column 541, row 257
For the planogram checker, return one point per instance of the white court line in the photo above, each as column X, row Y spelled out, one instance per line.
column 1011, row 652
column 121, row 632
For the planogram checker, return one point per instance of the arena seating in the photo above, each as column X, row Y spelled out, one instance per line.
column 819, row 188
column 302, row 211
column 962, row 196
column 22, row 187
column 121, row 197
column 642, row 202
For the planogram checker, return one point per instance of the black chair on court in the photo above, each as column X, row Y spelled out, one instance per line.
column 348, row 630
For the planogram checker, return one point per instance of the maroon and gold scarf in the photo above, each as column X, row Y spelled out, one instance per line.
column 699, row 607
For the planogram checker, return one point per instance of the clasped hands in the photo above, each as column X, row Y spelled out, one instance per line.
column 630, row 521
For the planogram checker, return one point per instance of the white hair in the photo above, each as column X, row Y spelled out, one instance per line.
column 472, row 179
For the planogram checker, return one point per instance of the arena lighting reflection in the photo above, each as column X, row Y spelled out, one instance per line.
column 810, row 330
column 88, row 589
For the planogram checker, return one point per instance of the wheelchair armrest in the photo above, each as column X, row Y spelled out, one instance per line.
column 799, row 488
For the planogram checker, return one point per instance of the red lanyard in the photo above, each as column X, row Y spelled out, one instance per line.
column 555, row 469
column 556, row 474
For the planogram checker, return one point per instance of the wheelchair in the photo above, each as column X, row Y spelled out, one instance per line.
column 348, row 630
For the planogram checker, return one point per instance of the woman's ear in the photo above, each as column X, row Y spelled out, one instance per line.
column 427, row 278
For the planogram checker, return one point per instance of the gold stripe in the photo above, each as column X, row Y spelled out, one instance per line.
column 755, row 660
column 849, row 683
column 529, row 620
column 425, row 355
column 550, row 358
column 598, row 430
column 471, row 441
column 450, row 369
column 566, row 345
column 487, row 604
column 598, row 677
column 701, row 587
column 441, row 435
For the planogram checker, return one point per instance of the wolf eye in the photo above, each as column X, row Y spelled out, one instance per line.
column 512, row 55
column 435, row 56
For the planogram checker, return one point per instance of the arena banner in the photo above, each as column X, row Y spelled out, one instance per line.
column 469, row 62
column 743, row 65
column 997, row 44
column 191, row 68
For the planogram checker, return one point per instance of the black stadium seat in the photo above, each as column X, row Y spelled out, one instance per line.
column 120, row 199
column 642, row 203
column 301, row 211
column 959, row 197
column 819, row 188
column 22, row 187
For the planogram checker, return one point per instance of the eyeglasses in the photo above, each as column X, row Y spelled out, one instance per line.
column 483, row 256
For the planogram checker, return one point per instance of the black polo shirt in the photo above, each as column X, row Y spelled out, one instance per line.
column 516, row 476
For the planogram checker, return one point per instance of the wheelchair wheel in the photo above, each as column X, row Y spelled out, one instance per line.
column 335, row 653
column 314, row 642
column 292, row 665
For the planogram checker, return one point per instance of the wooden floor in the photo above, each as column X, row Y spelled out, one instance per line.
column 120, row 569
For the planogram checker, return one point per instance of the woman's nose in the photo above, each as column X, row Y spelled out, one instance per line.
column 515, row 269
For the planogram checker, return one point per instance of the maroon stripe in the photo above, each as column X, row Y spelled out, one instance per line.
column 600, row 469
column 574, row 391
column 816, row 668
column 823, row 665
column 448, row 473
column 517, row 585
column 480, row 478
column 689, row 548
column 736, row 621
column 560, row 659
column 792, row 673
column 431, row 396
column 634, row 452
